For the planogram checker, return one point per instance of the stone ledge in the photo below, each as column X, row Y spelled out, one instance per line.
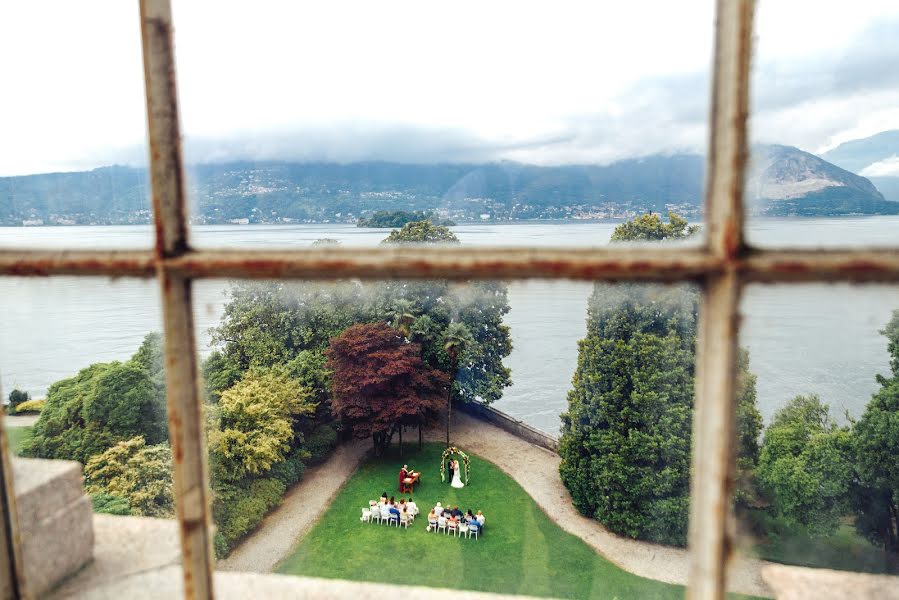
column 55, row 520
column 803, row 583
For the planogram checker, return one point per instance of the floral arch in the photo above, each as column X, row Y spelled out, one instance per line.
column 465, row 461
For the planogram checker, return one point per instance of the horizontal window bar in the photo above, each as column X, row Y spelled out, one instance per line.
column 648, row 264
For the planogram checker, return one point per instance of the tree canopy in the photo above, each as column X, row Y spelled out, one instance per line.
column 626, row 436
column 380, row 382
column 876, row 438
column 805, row 465
column 103, row 404
column 422, row 232
column 651, row 228
column 255, row 423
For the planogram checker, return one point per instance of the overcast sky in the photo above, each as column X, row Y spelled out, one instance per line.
column 546, row 82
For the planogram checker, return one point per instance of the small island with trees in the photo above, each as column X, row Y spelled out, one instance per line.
column 386, row 219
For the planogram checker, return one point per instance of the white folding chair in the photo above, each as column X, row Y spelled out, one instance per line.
column 441, row 524
column 366, row 515
column 463, row 529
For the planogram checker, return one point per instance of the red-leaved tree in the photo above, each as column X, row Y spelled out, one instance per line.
column 379, row 382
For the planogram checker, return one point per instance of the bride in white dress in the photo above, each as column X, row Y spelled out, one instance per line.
column 457, row 480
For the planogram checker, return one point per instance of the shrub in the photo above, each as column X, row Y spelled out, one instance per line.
column 319, row 443
column 17, row 397
column 238, row 510
column 110, row 504
column 30, row 407
column 140, row 474
column 291, row 469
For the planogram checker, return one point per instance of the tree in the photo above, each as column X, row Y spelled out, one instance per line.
column 132, row 471
column 805, row 466
column 876, row 444
column 625, row 443
column 255, row 423
column 421, row 232
column 402, row 315
column 456, row 340
column 626, row 436
column 103, row 404
column 650, row 227
column 379, row 382
column 17, row 397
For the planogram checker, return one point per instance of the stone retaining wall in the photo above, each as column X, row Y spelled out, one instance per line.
column 505, row 422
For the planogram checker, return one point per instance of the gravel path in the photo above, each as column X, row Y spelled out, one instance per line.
column 537, row 471
column 283, row 528
column 534, row 468
column 20, row 420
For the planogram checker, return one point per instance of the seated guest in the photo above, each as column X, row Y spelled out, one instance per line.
column 456, row 512
column 432, row 520
column 413, row 508
column 480, row 518
column 438, row 509
column 474, row 526
column 392, row 502
column 394, row 512
column 441, row 521
column 384, row 498
column 469, row 516
column 385, row 511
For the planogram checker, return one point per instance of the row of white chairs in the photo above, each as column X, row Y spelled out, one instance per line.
column 372, row 515
column 457, row 529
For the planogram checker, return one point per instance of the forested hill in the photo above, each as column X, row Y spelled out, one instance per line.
column 283, row 192
column 298, row 192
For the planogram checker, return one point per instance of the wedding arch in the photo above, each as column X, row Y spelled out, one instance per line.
column 449, row 452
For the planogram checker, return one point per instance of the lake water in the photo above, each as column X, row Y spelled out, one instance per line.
column 803, row 339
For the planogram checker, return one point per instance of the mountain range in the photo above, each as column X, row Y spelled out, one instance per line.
column 783, row 180
column 875, row 157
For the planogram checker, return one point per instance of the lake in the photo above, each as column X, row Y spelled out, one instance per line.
column 802, row 339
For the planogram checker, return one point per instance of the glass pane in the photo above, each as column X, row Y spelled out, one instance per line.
column 817, row 459
column 824, row 126
column 318, row 394
column 301, row 124
column 83, row 380
column 73, row 159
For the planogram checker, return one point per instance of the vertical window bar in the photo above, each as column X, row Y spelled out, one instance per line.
column 710, row 535
column 12, row 578
column 185, row 411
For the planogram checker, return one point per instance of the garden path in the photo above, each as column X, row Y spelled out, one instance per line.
column 20, row 420
column 301, row 507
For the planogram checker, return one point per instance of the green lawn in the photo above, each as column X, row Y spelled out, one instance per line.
column 521, row 551
column 17, row 437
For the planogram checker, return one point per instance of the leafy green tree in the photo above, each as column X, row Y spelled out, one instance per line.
column 876, row 439
column 17, row 397
column 651, row 228
column 133, row 472
column 625, row 443
column 626, row 436
column 805, row 466
column 255, row 419
column 100, row 406
column 422, row 232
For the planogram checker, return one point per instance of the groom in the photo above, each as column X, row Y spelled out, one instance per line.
column 449, row 465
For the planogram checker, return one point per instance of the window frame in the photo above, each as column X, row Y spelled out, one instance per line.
column 722, row 266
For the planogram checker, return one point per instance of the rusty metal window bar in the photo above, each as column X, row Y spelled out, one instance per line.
column 722, row 266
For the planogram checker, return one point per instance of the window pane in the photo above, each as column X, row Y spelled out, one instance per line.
column 824, row 126
column 301, row 123
column 83, row 373
column 814, row 468
column 306, row 380
column 74, row 127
